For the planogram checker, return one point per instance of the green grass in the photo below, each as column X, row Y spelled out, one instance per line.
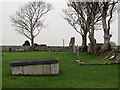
column 0, row 72
column 72, row 75
column 91, row 58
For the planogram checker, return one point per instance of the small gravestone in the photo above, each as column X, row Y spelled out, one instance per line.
column 72, row 45
column 77, row 55
column 78, row 58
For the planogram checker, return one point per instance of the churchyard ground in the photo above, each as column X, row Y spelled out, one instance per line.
column 72, row 75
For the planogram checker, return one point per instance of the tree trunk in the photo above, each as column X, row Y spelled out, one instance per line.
column 106, row 29
column 93, row 46
column 32, row 41
column 84, row 42
column 107, row 36
column 32, row 44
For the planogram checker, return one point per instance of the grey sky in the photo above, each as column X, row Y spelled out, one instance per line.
column 57, row 30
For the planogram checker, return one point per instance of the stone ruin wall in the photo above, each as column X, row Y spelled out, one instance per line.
column 37, row 48
column 45, row 48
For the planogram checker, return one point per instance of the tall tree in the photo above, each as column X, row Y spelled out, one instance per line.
column 83, row 14
column 28, row 21
column 107, row 14
column 93, row 12
column 74, row 20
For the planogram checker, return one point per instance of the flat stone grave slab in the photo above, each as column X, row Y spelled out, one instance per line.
column 35, row 67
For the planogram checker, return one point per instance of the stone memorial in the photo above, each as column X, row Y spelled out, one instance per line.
column 72, row 45
column 35, row 67
column 1, row 54
column 78, row 58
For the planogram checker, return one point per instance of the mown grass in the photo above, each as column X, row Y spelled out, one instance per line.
column 72, row 75
column 0, row 72
column 92, row 58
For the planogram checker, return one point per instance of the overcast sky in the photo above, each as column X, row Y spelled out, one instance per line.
column 58, row 29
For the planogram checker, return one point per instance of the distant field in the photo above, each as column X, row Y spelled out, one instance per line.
column 72, row 75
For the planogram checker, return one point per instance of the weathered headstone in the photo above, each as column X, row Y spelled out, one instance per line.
column 72, row 45
column 0, row 53
column 78, row 58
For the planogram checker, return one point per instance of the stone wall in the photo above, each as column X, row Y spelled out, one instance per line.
column 45, row 48
column 15, row 48
column 37, row 48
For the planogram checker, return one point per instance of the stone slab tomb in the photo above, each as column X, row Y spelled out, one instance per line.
column 35, row 67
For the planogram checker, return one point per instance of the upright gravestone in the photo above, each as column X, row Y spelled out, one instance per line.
column 0, row 53
column 72, row 45
column 78, row 58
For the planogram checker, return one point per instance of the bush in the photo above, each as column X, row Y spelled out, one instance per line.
column 26, row 43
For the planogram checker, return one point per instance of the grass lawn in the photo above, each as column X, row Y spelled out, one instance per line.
column 0, row 72
column 72, row 75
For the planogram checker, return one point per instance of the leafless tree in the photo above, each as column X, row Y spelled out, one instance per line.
column 74, row 20
column 28, row 20
column 93, row 14
column 82, row 16
column 108, row 8
column 88, row 14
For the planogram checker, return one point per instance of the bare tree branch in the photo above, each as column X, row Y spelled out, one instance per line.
column 28, row 21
